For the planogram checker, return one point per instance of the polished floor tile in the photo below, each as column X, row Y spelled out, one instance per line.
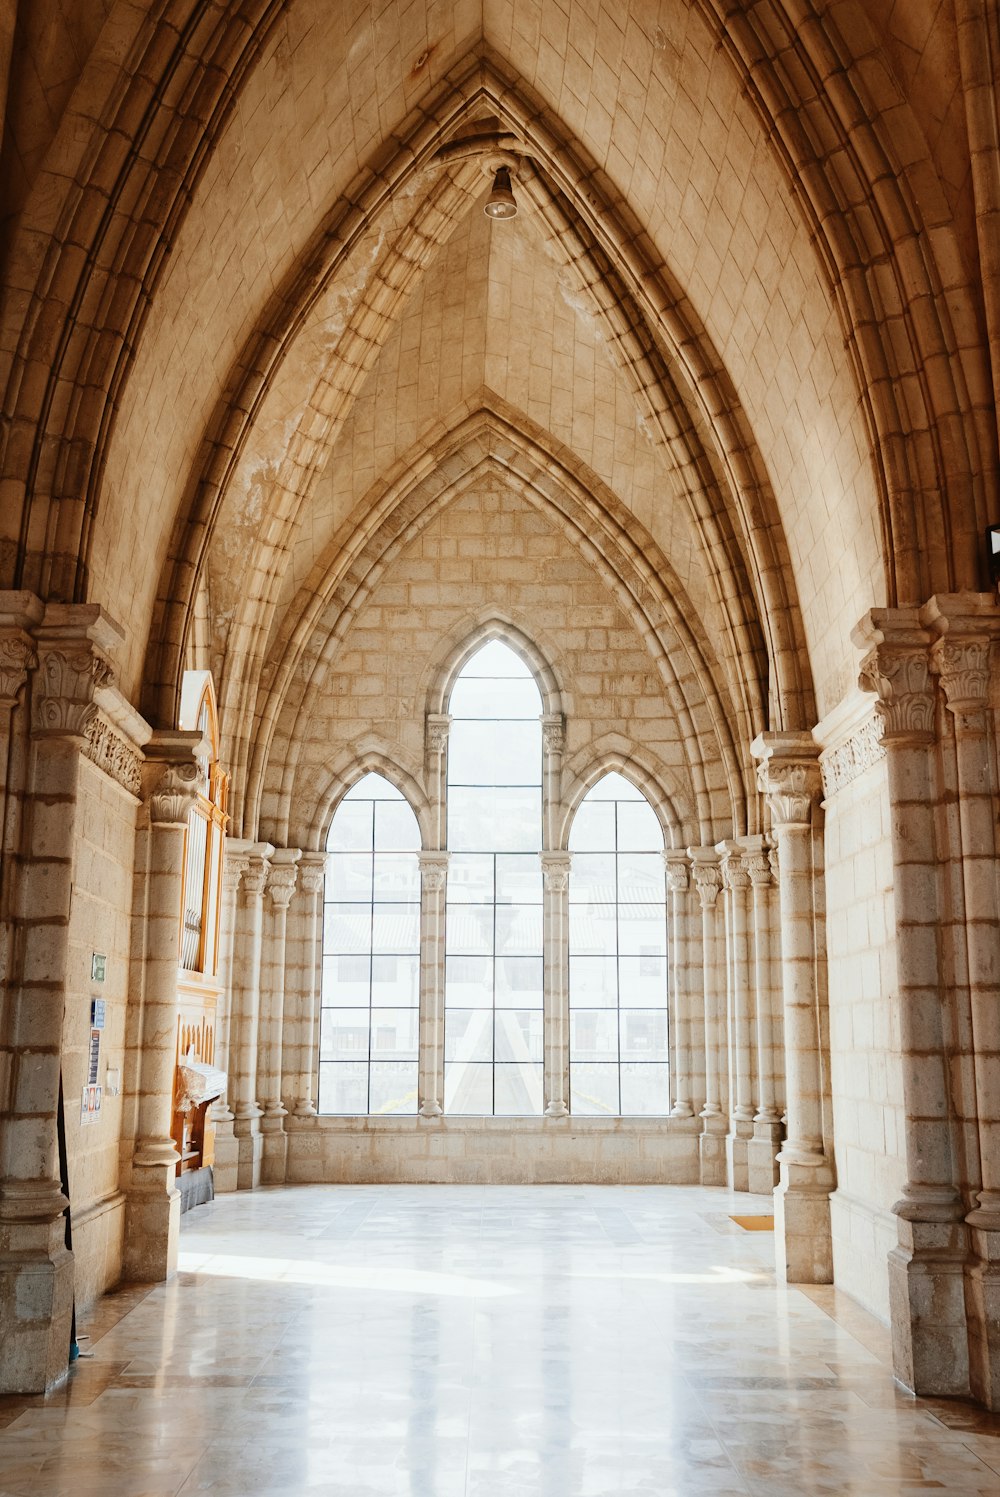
column 435, row 1341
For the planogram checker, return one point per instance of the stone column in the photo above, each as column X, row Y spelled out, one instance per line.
column 153, row 1203
column 707, row 877
column 553, row 745
column 967, row 623
column 762, row 1150
column 247, row 945
column 790, row 778
column 682, row 1019
column 736, row 883
column 555, row 925
column 430, row 1077
column 436, row 742
column 36, row 1270
column 926, row 1269
column 303, row 967
column 281, row 887
column 224, row 1165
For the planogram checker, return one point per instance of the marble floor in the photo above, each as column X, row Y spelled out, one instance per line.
column 438, row 1341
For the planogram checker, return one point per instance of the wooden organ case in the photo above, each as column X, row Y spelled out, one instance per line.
column 197, row 1081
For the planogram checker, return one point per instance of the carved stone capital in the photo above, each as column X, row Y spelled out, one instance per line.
column 555, row 871
column 233, row 868
column 735, row 874
column 790, row 790
column 553, row 732
column 438, row 724
column 17, row 657
column 899, row 675
column 176, row 791
column 62, row 699
column 312, row 872
column 281, row 884
column 775, row 864
column 963, row 666
column 255, row 876
column 707, row 875
column 678, row 871
column 758, row 866
column 433, row 870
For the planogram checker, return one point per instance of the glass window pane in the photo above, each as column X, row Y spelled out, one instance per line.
column 518, row 1035
column 373, row 787
column 519, row 1090
column 468, row 981
column 352, row 827
column 344, row 1034
column 642, row 929
column 519, row 878
column 519, row 982
column 511, row 699
column 592, row 929
column 643, row 981
column 396, row 981
column 343, row 1087
column 349, row 876
column 395, row 875
column 396, row 927
column 468, row 1089
column 347, row 928
column 519, row 929
column 496, row 659
column 592, row 877
column 614, row 786
column 470, row 929
column 643, row 1034
column 593, row 1090
column 396, row 827
column 593, row 828
column 394, row 1033
column 593, row 1034
column 495, row 753
column 593, row 982
column 468, row 1034
column 345, row 980
column 393, row 1088
column 645, row 1090
column 470, row 878
column 641, row 877
column 494, row 818
column 638, row 828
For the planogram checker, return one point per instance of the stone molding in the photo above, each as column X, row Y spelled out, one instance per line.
column 114, row 755
column 842, row 765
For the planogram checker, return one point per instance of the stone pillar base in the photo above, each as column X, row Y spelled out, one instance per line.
column 762, row 1158
column 982, row 1303
column 36, row 1317
column 152, row 1234
column 225, row 1165
column 803, row 1241
column 712, row 1157
column 274, row 1157
column 249, row 1157
column 737, row 1141
column 930, row 1334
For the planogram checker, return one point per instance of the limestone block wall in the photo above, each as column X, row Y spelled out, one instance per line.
column 865, row 1046
column 99, row 921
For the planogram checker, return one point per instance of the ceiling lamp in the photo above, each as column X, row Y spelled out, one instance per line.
column 501, row 202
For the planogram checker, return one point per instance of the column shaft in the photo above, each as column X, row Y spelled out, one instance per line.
column 430, row 1079
column 246, row 994
column 555, row 874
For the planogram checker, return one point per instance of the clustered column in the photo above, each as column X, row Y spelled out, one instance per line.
column 430, row 1080
column 736, row 886
column 762, row 1149
column 281, row 877
column 303, row 984
column 555, row 876
column 707, row 877
column 247, row 947
column 687, row 1069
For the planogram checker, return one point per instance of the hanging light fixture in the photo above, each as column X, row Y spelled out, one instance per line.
column 501, row 202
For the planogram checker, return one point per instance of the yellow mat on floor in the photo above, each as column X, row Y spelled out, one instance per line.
column 754, row 1223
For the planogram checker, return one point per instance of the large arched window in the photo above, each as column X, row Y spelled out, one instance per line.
column 618, row 962
column 493, row 964
column 371, row 955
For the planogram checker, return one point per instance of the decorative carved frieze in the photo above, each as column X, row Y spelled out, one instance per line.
column 63, row 692
column 555, row 871
column 853, row 757
column 114, row 754
column 17, row 657
column 900, row 678
column 174, row 794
